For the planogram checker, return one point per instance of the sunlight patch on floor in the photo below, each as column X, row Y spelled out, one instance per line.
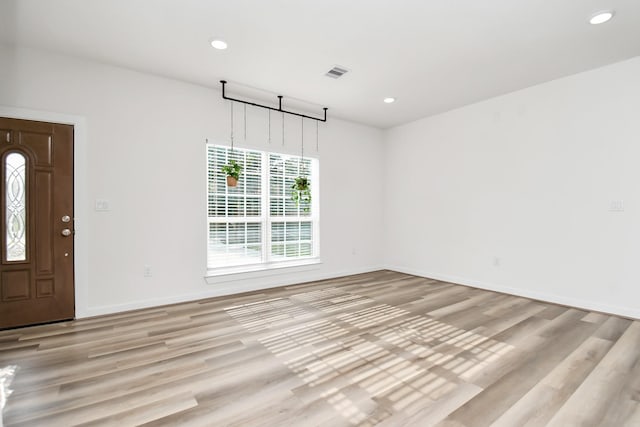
column 400, row 360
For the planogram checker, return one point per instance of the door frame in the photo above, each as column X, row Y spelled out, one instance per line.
column 80, row 195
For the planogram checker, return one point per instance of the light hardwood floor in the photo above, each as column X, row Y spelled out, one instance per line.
column 381, row 348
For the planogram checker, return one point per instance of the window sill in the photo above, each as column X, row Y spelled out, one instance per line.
column 254, row 271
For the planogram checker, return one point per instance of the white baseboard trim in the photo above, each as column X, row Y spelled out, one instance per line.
column 527, row 293
column 225, row 289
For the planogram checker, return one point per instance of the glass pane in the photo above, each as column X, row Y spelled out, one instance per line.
column 305, row 167
column 253, row 165
column 217, row 234
column 276, row 188
column 253, row 184
column 291, row 167
column 15, row 187
column 254, row 252
column 254, row 233
column 283, row 171
column 276, row 164
column 235, row 206
column 277, row 208
column 220, row 207
column 277, row 232
column 237, row 234
column 220, row 204
column 253, row 206
column 288, row 183
column 305, row 208
column 305, row 249
column 277, row 251
column 292, row 250
column 305, row 231
column 238, row 156
column 293, row 231
column 221, row 183
column 233, row 244
column 290, row 207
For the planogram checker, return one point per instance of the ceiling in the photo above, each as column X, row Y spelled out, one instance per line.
column 431, row 55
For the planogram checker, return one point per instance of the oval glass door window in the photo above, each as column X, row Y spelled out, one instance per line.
column 16, row 205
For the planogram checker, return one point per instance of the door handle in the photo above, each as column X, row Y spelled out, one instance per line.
column 66, row 232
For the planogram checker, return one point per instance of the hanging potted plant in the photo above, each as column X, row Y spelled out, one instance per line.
column 301, row 188
column 232, row 170
column 301, row 191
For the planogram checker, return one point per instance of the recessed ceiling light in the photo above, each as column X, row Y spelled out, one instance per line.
column 601, row 17
column 219, row 44
column 389, row 100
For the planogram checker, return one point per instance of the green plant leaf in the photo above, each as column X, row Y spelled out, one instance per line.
column 301, row 191
column 232, row 169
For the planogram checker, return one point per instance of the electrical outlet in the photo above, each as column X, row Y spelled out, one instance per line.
column 102, row 205
column 616, row 206
column 147, row 271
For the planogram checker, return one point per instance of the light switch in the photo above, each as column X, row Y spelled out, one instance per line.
column 616, row 206
column 102, row 205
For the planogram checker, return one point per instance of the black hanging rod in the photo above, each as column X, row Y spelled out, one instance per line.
column 224, row 82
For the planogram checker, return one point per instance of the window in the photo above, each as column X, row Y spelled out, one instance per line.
column 257, row 224
column 15, row 207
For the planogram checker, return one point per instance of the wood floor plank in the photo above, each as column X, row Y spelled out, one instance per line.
column 147, row 413
column 590, row 403
column 376, row 349
column 543, row 400
column 511, row 386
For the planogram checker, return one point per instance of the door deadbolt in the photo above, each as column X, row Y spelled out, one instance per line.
column 66, row 218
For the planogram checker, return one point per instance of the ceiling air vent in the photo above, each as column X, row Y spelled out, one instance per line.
column 336, row 72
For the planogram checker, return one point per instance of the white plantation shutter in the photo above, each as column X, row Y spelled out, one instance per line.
column 257, row 222
column 291, row 223
column 235, row 213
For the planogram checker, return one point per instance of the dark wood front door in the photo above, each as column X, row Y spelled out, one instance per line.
column 36, row 226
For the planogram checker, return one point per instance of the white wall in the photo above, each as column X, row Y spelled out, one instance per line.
column 528, row 178
column 145, row 153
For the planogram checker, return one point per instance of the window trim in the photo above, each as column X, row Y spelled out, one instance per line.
column 226, row 274
column 266, row 220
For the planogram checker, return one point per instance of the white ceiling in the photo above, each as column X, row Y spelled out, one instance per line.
column 431, row 55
